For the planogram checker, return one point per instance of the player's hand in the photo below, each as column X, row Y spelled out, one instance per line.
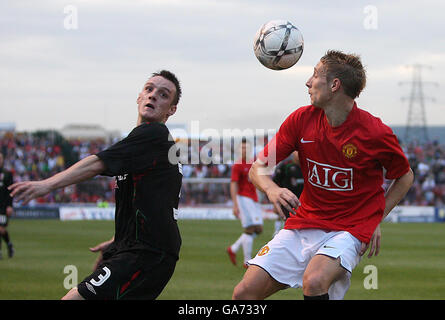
column 28, row 190
column 9, row 211
column 236, row 211
column 374, row 242
column 283, row 197
column 100, row 248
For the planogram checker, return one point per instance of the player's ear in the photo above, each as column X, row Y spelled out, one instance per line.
column 335, row 85
column 138, row 99
column 172, row 110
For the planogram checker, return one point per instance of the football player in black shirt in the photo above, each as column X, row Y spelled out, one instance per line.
column 5, row 207
column 140, row 259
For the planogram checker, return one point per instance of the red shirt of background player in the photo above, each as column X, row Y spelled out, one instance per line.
column 240, row 174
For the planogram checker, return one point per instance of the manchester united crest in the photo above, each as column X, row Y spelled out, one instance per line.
column 349, row 150
column 264, row 250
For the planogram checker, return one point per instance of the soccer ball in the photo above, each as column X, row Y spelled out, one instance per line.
column 278, row 44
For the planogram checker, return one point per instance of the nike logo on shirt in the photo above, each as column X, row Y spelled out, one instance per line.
column 305, row 141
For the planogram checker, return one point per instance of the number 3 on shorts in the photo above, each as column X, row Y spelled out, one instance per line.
column 102, row 278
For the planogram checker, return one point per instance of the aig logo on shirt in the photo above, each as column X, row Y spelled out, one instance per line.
column 329, row 177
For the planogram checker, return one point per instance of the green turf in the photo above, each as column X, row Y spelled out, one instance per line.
column 411, row 264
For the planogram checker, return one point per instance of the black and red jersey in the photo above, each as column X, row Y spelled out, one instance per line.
column 148, row 183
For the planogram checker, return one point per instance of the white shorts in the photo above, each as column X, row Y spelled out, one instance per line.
column 250, row 211
column 287, row 255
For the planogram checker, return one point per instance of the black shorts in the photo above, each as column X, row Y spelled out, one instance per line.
column 4, row 220
column 131, row 275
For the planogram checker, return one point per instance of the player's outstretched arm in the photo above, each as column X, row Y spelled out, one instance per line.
column 261, row 178
column 80, row 171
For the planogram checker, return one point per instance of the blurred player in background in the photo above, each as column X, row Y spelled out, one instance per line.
column 245, row 205
column 5, row 207
column 288, row 174
column 140, row 259
column 343, row 151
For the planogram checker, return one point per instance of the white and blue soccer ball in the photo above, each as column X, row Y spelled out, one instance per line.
column 278, row 44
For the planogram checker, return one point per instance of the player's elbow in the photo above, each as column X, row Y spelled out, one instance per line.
column 411, row 176
column 408, row 178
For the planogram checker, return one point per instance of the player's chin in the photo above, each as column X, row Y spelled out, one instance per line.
column 316, row 103
column 149, row 116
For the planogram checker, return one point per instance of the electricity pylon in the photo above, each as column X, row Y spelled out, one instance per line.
column 416, row 126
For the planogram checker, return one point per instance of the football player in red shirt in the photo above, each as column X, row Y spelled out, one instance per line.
column 344, row 154
column 245, row 205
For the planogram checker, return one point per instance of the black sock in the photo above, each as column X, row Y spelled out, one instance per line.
column 320, row 297
column 6, row 237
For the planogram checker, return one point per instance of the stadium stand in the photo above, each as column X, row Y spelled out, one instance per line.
column 31, row 156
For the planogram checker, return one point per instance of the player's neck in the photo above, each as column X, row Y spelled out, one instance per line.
column 143, row 120
column 337, row 112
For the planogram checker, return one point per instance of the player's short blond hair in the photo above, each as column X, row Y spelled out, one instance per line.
column 348, row 69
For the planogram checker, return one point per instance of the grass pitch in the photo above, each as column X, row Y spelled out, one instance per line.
column 410, row 266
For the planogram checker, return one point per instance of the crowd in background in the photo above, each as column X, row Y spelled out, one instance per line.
column 34, row 158
column 30, row 157
column 428, row 163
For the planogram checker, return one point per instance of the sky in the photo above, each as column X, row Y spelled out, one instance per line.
column 84, row 62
